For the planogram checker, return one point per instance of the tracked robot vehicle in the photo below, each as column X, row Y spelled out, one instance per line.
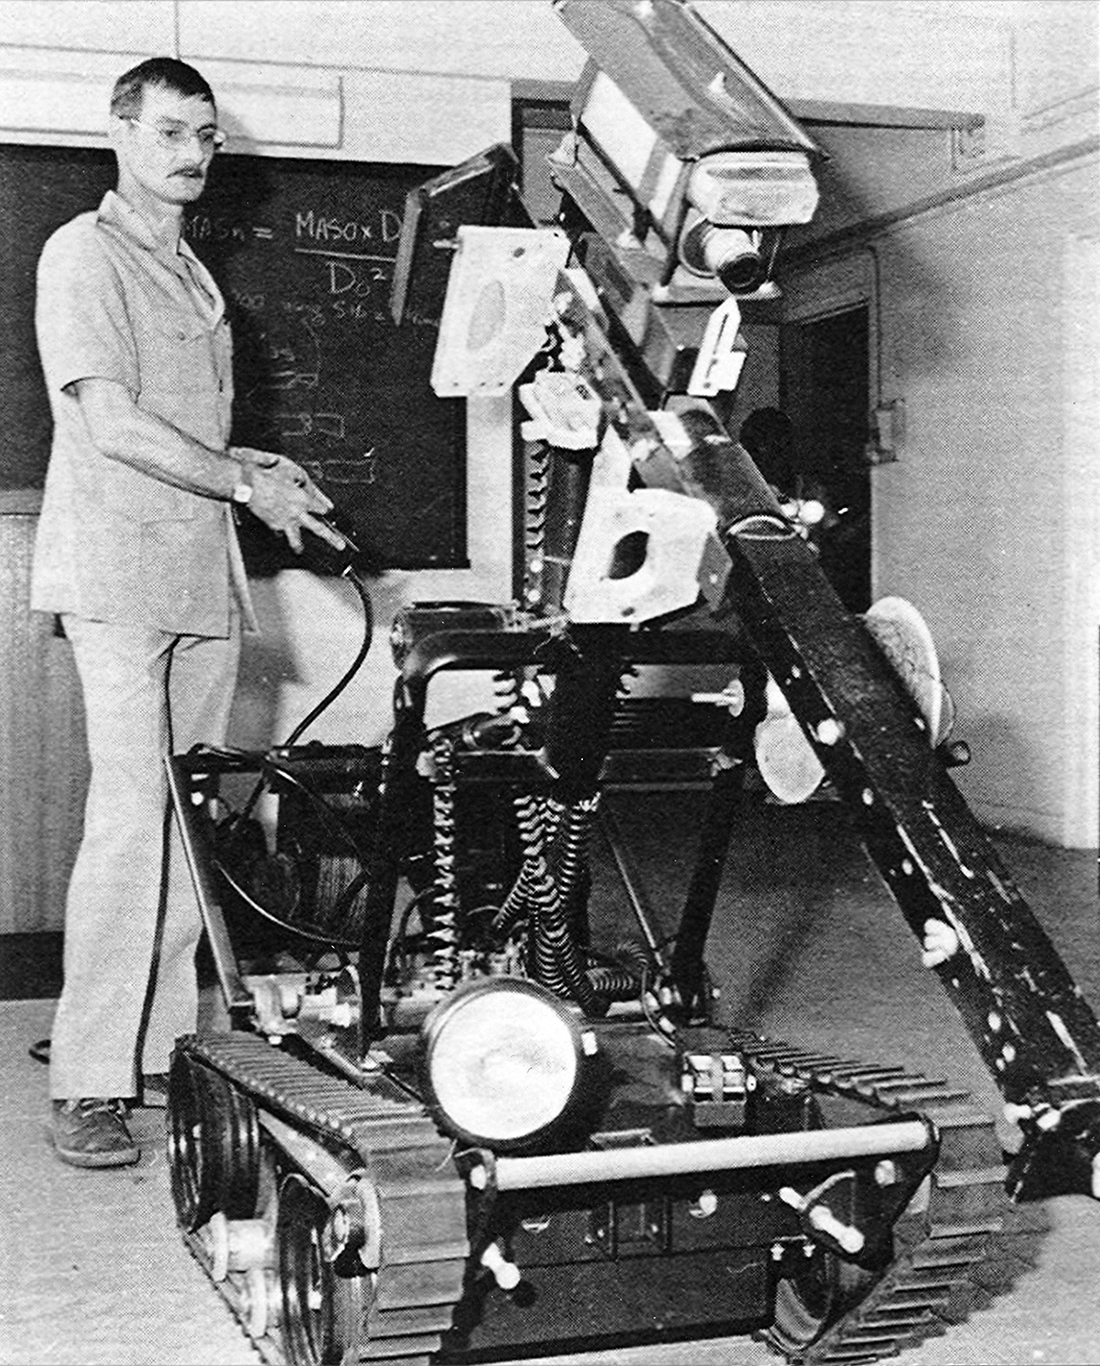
column 448, row 1118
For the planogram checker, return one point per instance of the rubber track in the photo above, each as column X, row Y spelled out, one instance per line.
column 384, row 1132
column 391, row 1137
column 930, row 1283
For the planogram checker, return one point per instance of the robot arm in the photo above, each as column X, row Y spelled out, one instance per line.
column 679, row 177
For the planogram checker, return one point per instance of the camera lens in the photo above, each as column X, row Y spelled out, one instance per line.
column 731, row 254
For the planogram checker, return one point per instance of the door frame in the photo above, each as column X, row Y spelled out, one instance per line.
column 823, row 289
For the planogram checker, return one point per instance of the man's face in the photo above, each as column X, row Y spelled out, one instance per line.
column 159, row 151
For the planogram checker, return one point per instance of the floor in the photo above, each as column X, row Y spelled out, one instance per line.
column 807, row 946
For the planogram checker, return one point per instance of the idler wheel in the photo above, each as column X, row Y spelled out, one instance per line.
column 213, row 1146
column 821, row 1288
column 321, row 1307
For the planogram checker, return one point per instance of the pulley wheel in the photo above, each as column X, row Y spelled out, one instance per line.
column 213, row 1146
column 194, row 1188
column 238, row 1131
column 822, row 1289
column 321, row 1308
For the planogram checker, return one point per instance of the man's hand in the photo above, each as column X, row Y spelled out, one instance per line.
column 286, row 498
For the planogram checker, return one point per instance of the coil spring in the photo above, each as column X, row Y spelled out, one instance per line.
column 506, row 691
column 553, row 956
column 623, row 979
column 614, row 983
column 537, row 819
column 557, row 958
column 538, row 456
column 535, row 884
column 573, row 859
column 442, row 931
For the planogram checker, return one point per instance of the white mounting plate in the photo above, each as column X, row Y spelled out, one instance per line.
column 499, row 300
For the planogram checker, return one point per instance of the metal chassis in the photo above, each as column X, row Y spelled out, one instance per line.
column 546, row 648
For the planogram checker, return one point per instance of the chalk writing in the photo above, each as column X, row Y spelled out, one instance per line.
column 332, row 425
column 306, row 258
column 201, row 227
column 304, row 252
column 316, row 227
column 359, row 471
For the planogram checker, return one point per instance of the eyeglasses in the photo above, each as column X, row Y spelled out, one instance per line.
column 176, row 136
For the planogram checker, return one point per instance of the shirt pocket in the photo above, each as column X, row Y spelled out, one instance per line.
column 179, row 375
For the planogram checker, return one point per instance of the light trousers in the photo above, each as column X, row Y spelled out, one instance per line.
column 132, row 923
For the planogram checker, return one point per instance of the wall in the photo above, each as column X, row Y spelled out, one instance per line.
column 982, row 267
column 978, row 520
column 43, row 772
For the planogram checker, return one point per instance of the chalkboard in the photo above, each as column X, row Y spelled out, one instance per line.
column 304, row 253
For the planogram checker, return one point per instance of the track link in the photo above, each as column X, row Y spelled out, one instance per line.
column 377, row 1130
column 382, row 1132
column 938, row 1249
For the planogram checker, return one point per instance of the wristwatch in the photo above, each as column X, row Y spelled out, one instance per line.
column 242, row 491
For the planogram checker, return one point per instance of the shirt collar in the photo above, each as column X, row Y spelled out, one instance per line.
column 117, row 213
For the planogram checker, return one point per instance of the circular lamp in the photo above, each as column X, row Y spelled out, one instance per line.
column 501, row 1062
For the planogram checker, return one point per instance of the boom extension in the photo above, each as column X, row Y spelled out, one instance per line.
column 1029, row 1020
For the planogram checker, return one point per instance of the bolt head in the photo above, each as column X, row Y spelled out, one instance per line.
column 829, row 731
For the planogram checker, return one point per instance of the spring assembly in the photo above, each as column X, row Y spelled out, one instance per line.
column 614, row 983
column 557, row 958
column 572, row 862
column 538, row 819
column 506, row 691
column 623, row 979
column 442, row 928
column 537, row 460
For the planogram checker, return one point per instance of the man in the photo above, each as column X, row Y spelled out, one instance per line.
column 137, row 553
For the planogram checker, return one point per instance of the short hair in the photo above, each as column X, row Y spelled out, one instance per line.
column 168, row 72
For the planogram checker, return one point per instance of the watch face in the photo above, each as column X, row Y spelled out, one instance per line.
column 242, row 493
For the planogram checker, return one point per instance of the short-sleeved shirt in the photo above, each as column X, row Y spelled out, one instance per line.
column 115, row 543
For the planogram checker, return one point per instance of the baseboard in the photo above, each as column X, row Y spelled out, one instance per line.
column 30, row 966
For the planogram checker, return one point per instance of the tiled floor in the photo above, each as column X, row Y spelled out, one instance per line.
column 808, row 947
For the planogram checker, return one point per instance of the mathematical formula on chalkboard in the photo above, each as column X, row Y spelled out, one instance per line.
column 304, row 253
column 283, row 347
column 305, row 257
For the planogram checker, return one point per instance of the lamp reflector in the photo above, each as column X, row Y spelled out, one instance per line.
column 502, row 1059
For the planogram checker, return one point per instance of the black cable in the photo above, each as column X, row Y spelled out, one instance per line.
column 324, row 808
column 330, row 697
column 402, row 929
column 328, row 940
column 368, row 635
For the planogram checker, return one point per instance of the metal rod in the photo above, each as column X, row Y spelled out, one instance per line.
column 236, row 994
column 716, row 1154
column 722, row 809
column 609, row 828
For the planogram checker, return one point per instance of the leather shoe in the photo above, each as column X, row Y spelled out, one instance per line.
column 92, row 1132
column 154, row 1090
